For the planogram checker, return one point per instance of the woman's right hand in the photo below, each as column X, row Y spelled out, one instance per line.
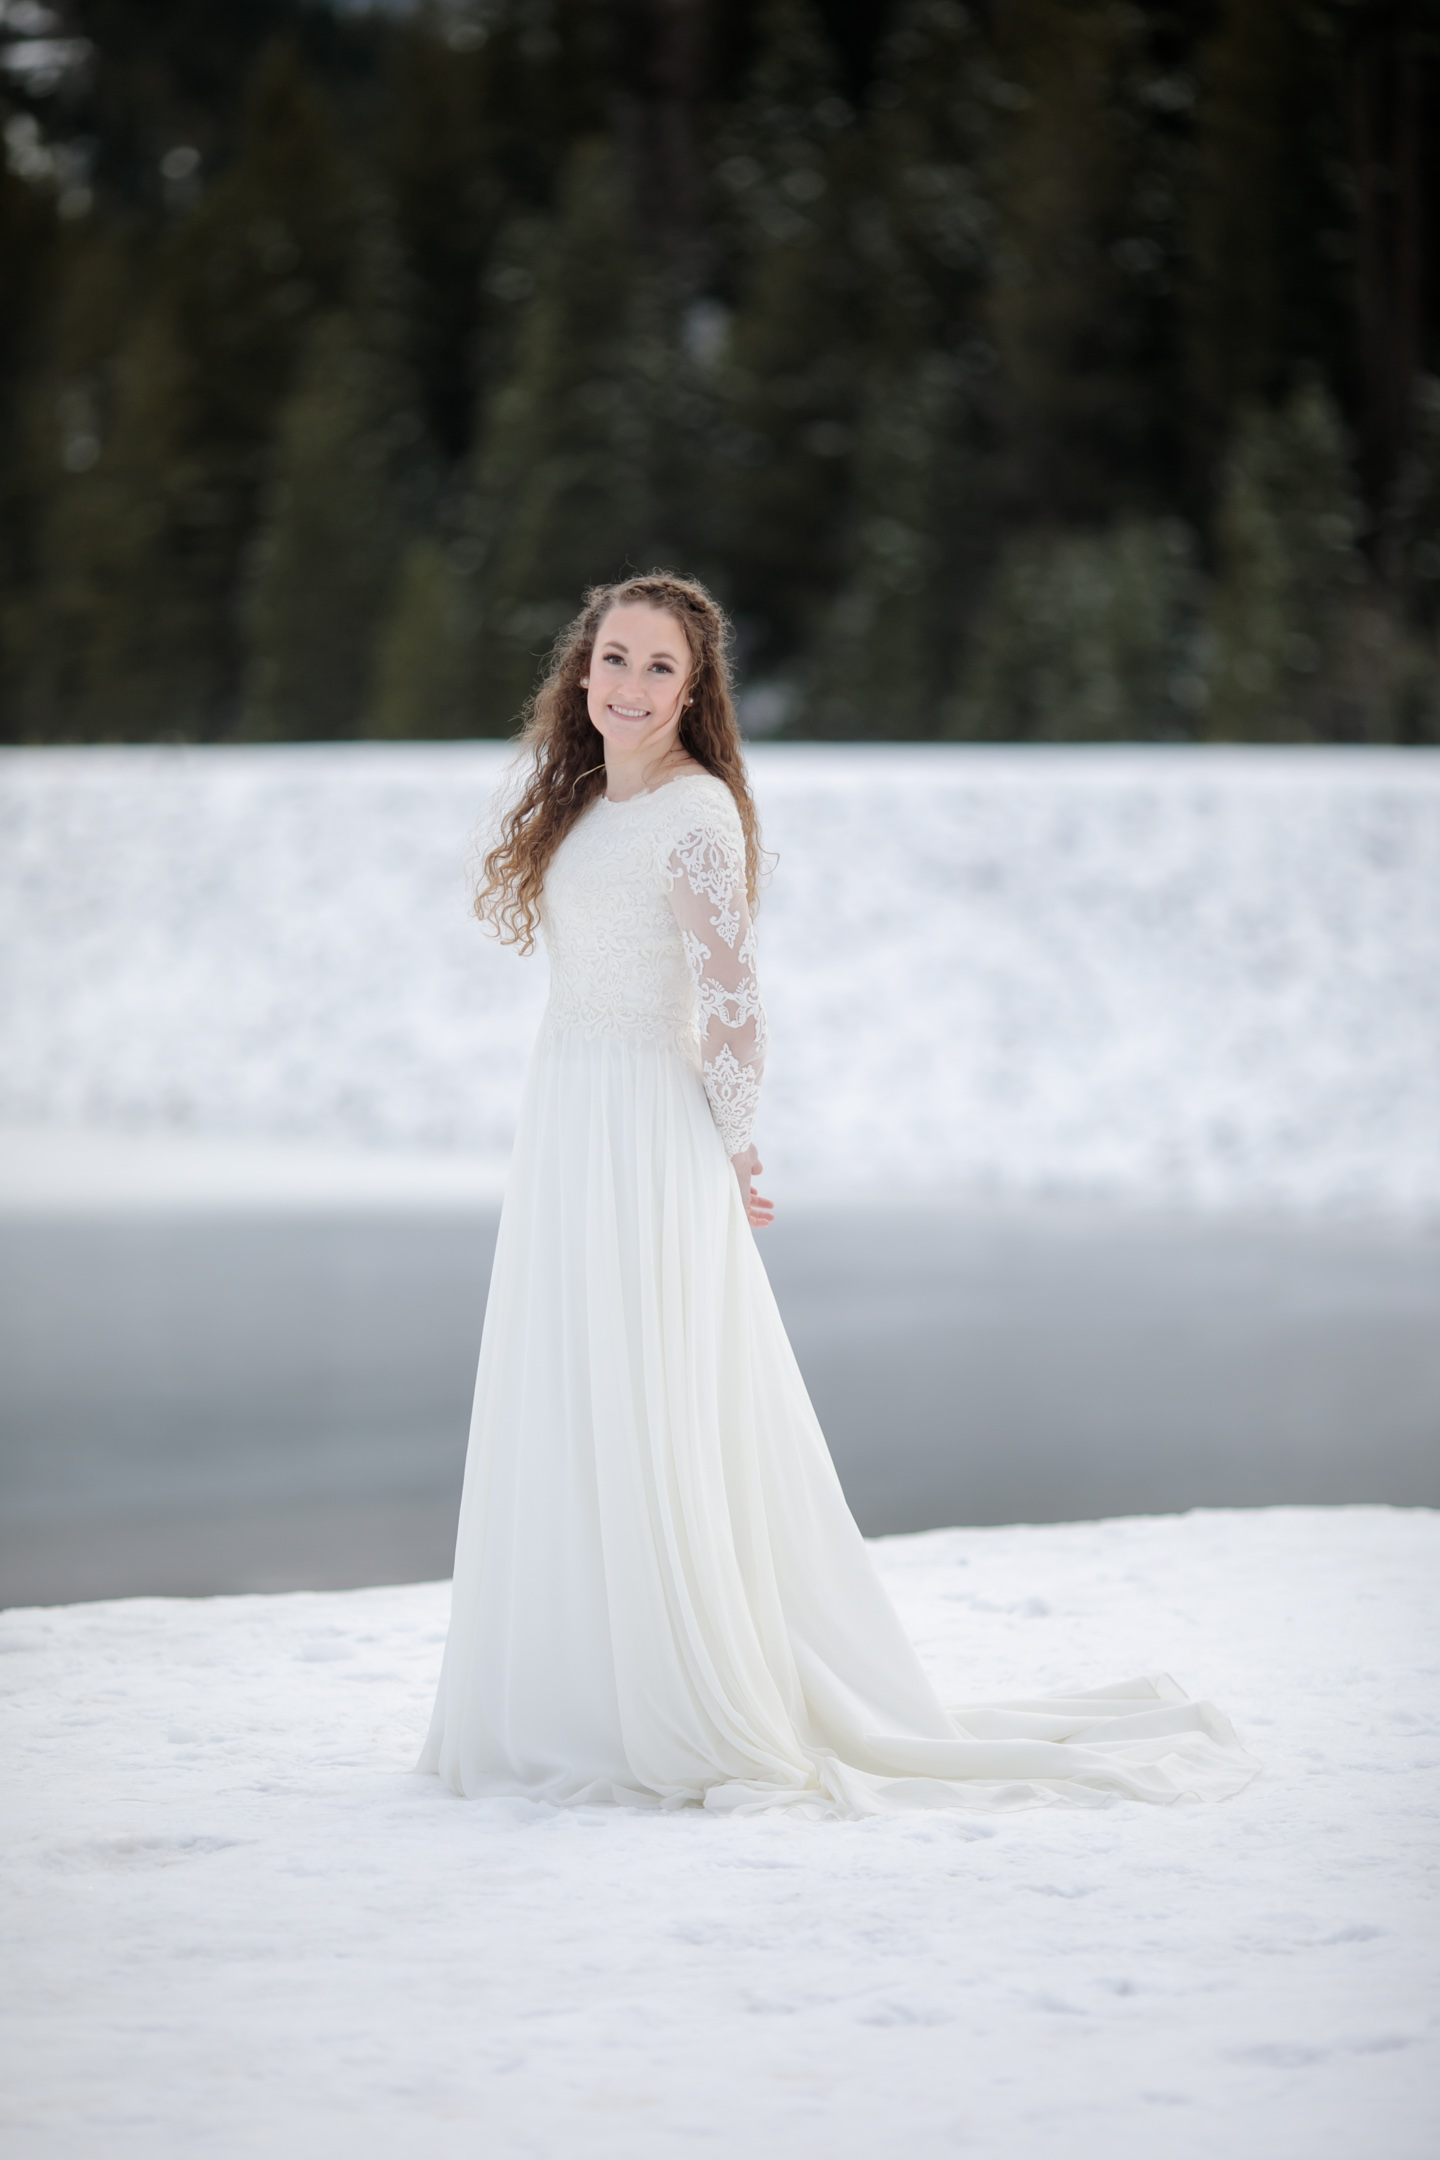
column 759, row 1212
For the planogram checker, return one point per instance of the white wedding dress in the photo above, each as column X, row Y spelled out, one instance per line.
column 660, row 1595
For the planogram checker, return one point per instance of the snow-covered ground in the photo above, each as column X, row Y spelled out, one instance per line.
column 51, row 1170
column 238, row 1925
column 1157, row 975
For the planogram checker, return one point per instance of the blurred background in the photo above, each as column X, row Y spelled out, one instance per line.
column 1048, row 368
column 1051, row 389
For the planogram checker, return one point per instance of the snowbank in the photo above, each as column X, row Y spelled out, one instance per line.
column 237, row 1925
column 1160, row 975
column 63, row 1170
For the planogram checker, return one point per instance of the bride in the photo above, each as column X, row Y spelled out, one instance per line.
column 660, row 1596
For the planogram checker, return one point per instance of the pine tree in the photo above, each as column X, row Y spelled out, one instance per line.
column 442, row 171
column 139, row 629
column 565, row 489
column 914, row 536
column 162, row 74
column 877, row 658
column 424, row 669
column 1388, row 60
column 794, row 357
column 1418, row 511
column 931, row 141
column 1087, row 637
column 1269, row 237
column 1086, row 254
column 1013, row 288
column 30, row 263
column 325, row 564
column 118, row 648
column 1291, row 582
column 1415, row 545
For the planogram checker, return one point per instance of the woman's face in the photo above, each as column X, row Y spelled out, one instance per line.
column 638, row 676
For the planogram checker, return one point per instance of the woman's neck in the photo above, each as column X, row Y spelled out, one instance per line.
column 635, row 772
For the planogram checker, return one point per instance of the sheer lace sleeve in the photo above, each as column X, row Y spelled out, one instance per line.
column 706, row 869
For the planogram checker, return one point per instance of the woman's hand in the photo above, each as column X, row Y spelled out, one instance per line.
column 748, row 1166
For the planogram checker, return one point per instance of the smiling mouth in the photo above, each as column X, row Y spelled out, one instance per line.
column 629, row 712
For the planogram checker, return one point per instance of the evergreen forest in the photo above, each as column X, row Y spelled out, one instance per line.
column 1019, row 370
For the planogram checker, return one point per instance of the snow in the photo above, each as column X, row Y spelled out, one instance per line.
column 57, row 1170
column 1156, row 975
column 239, row 1924
column 237, row 1921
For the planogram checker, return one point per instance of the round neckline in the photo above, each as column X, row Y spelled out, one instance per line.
column 649, row 794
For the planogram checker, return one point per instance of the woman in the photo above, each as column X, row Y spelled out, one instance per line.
column 660, row 1595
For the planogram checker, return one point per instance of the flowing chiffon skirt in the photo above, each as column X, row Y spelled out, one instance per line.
column 660, row 1594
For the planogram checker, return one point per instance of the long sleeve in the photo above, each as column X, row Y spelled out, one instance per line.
column 706, row 869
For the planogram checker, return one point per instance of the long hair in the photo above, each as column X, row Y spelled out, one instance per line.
column 568, row 750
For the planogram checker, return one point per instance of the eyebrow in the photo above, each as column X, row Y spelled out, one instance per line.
column 660, row 652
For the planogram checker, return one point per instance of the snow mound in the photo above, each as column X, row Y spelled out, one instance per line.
column 1158, row 975
column 239, row 1924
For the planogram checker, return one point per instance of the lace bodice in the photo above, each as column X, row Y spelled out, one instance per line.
column 648, row 931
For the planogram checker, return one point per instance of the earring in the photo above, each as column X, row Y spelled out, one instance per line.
column 584, row 682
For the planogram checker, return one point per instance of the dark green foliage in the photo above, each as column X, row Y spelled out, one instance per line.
column 478, row 132
column 885, row 650
column 448, row 196
column 423, row 682
column 1085, row 260
column 930, row 223
column 30, row 267
column 1046, row 367
column 343, row 498
column 794, row 357
column 566, row 481
column 1088, row 637
column 138, row 626
column 921, row 494
column 1270, row 234
column 1417, row 511
column 1291, row 584
column 1414, row 674
column 171, row 73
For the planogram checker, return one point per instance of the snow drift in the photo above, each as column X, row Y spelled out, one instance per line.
column 1209, row 977
column 239, row 1925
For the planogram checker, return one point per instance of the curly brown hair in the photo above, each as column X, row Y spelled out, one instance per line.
column 568, row 750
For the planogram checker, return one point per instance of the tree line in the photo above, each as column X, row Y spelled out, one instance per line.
column 1045, row 369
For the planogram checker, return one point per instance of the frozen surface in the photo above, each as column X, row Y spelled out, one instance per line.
column 1204, row 977
column 237, row 1924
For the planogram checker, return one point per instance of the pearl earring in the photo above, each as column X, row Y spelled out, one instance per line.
column 584, row 682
